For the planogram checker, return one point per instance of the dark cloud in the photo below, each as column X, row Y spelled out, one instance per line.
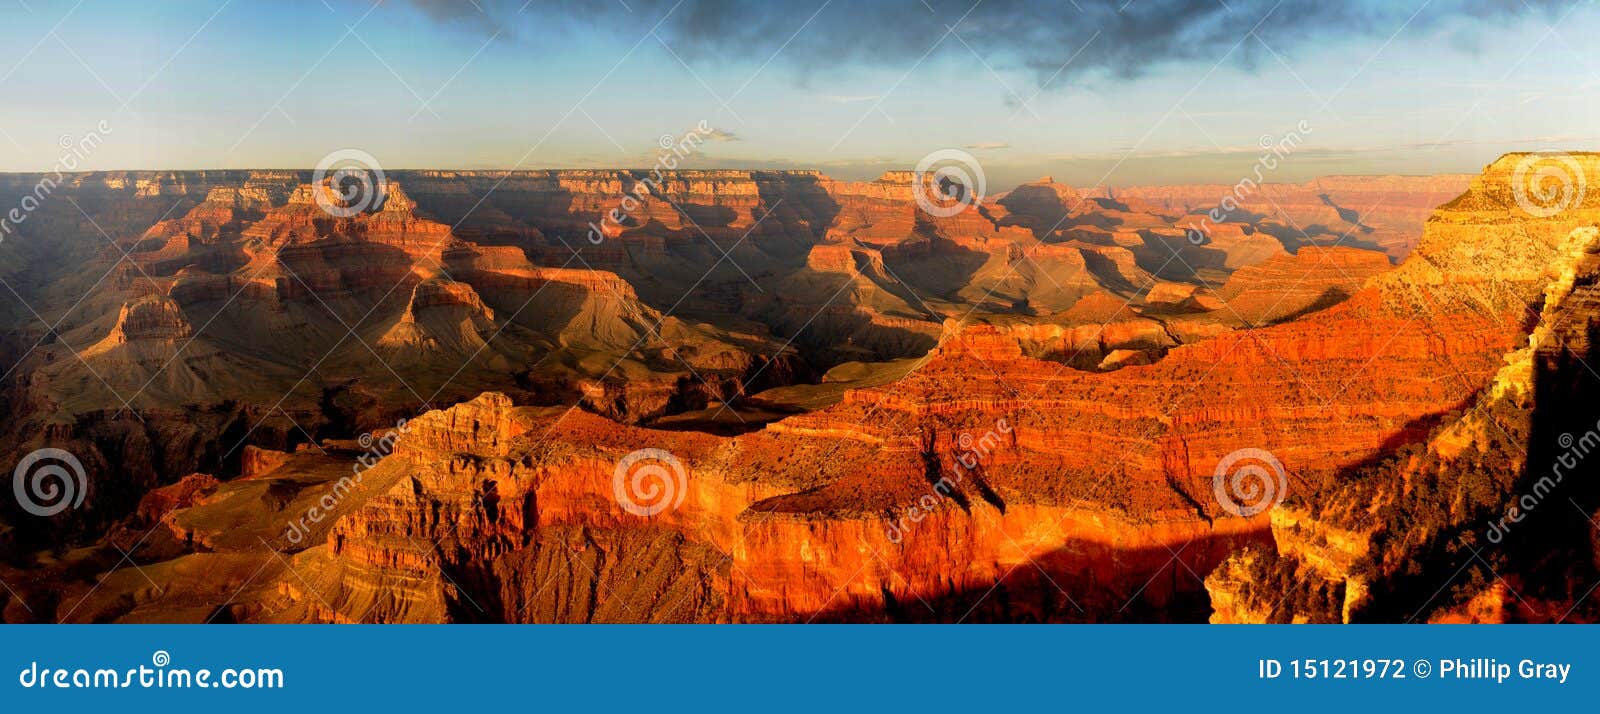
column 469, row 14
column 1060, row 41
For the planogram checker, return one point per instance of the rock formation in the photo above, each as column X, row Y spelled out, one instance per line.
column 1488, row 518
column 872, row 413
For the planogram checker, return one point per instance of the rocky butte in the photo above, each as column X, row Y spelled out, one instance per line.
column 857, row 410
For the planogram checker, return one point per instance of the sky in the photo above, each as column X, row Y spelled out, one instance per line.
column 1117, row 93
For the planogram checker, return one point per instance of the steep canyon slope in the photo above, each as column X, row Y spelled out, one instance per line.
column 1491, row 517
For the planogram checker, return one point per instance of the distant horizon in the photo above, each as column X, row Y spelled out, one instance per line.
column 1006, row 187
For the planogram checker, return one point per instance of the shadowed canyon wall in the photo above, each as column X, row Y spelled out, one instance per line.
column 1012, row 414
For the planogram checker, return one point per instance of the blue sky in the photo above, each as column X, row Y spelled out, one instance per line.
column 1154, row 91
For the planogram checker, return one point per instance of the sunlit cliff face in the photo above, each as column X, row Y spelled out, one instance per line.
column 863, row 411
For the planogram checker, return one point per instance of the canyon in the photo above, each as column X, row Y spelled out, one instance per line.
column 856, row 410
